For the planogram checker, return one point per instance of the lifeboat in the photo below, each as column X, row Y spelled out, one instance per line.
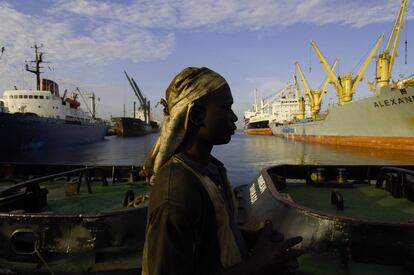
column 73, row 103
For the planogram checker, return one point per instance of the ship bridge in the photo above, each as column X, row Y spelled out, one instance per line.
column 42, row 103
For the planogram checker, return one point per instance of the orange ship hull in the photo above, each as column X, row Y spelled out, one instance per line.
column 259, row 131
column 395, row 143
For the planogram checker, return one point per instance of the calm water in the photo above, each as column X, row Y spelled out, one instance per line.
column 244, row 156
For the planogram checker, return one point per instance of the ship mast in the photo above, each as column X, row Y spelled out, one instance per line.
column 36, row 68
column 315, row 95
column 386, row 58
column 345, row 85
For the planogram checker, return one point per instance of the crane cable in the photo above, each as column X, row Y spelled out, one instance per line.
column 310, row 59
column 406, row 38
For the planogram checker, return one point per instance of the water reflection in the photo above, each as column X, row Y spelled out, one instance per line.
column 244, row 156
column 111, row 151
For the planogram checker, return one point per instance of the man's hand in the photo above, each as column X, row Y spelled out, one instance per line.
column 272, row 254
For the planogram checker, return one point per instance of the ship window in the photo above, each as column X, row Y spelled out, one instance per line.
column 39, row 106
column 30, row 96
column 35, row 97
column 20, row 96
column 15, row 96
column 41, row 97
column 25, row 96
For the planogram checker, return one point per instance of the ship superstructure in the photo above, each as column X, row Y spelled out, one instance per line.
column 285, row 105
column 256, row 120
column 289, row 105
column 384, row 120
column 43, row 118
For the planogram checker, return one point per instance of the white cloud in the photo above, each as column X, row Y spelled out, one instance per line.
column 78, row 32
column 69, row 45
column 233, row 14
column 99, row 43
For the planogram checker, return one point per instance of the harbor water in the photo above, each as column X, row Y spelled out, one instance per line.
column 243, row 157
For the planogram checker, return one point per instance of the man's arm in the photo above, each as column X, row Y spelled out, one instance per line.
column 170, row 242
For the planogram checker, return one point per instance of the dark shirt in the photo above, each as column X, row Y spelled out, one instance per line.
column 182, row 228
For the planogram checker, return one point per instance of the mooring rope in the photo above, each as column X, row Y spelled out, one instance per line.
column 44, row 262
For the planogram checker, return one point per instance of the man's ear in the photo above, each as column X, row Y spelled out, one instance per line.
column 197, row 115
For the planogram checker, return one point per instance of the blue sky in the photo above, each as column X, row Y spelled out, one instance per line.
column 253, row 44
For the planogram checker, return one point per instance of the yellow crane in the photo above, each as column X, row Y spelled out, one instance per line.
column 345, row 85
column 386, row 58
column 300, row 99
column 315, row 96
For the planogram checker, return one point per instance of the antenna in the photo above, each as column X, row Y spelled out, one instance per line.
column 36, row 67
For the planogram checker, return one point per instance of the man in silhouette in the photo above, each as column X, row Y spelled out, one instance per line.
column 191, row 215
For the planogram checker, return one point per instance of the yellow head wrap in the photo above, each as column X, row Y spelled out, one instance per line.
column 189, row 85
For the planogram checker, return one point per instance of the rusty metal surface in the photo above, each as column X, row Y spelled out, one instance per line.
column 71, row 243
column 373, row 242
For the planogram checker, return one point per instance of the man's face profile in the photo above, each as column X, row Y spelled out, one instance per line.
column 219, row 119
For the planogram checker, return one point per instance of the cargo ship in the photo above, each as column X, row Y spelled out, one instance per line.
column 384, row 120
column 142, row 122
column 33, row 119
column 284, row 106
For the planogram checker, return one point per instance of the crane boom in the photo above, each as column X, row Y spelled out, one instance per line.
column 397, row 30
column 297, row 89
column 331, row 76
column 325, row 85
column 386, row 58
column 302, row 77
column 305, row 84
column 133, row 88
column 345, row 85
column 138, row 91
column 364, row 65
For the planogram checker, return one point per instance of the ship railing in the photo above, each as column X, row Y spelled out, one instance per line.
column 398, row 181
column 82, row 172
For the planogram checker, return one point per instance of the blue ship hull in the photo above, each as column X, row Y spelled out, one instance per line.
column 20, row 131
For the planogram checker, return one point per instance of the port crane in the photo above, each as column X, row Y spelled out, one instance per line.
column 386, row 58
column 144, row 103
column 345, row 85
column 315, row 95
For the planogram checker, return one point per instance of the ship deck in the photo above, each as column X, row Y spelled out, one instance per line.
column 361, row 201
column 102, row 198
